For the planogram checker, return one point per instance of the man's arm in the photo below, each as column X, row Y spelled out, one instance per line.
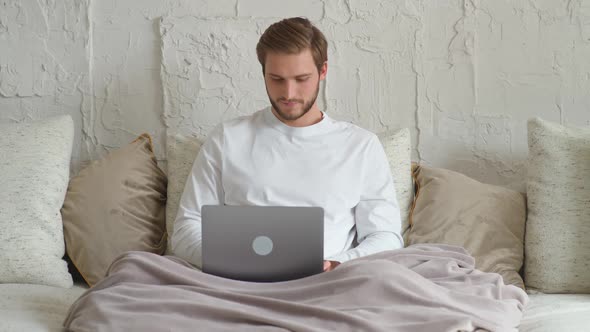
column 203, row 186
column 377, row 215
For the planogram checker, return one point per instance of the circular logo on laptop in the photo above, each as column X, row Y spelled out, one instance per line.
column 262, row 245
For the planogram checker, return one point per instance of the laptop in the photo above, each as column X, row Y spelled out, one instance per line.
column 262, row 243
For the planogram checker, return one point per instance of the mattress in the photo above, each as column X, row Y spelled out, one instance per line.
column 36, row 308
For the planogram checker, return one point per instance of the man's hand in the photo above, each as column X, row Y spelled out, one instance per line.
column 330, row 265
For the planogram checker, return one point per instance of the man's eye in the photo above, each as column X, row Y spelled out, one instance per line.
column 276, row 79
column 302, row 79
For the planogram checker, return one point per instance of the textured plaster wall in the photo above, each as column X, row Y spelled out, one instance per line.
column 463, row 75
column 44, row 67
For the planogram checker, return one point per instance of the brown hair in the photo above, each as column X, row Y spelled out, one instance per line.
column 293, row 36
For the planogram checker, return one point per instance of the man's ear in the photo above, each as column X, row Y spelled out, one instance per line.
column 324, row 70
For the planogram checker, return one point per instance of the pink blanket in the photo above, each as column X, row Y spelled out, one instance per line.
column 419, row 288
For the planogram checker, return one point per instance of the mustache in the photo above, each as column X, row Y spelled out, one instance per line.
column 290, row 100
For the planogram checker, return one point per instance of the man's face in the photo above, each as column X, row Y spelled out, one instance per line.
column 292, row 83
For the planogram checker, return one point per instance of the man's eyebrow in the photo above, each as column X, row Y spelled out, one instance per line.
column 303, row 75
column 298, row 76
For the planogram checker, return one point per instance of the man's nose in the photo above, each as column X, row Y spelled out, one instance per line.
column 290, row 90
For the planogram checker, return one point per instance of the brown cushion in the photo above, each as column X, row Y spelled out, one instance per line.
column 114, row 205
column 488, row 221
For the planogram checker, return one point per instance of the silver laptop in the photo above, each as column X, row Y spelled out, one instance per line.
column 262, row 243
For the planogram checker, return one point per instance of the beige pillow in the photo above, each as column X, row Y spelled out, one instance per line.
column 114, row 205
column 488, row 221
column 557, row 250
column 181, row 151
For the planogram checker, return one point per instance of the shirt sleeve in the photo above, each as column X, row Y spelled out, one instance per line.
column 203, row 186
column 377, row 214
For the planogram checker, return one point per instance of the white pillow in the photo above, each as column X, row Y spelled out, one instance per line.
column 182, row 150
column 557, row 249
column 398, row 148
column 34, row 175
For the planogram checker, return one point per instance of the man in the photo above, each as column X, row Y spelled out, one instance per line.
column 293, row 154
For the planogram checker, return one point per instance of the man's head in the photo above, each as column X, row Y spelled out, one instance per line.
column 293, row 56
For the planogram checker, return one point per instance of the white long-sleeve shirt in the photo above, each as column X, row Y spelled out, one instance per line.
column 259, row 160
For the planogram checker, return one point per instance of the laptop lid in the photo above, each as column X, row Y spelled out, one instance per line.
column 262, row 243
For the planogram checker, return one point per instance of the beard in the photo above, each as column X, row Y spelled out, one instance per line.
column 294, row 115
